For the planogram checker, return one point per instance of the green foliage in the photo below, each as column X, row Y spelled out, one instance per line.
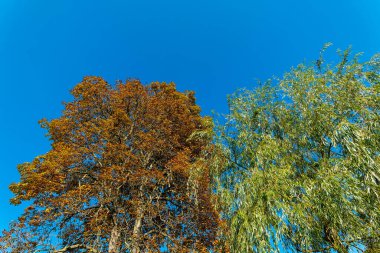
column 298, row 165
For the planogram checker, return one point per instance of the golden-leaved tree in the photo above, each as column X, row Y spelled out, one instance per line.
column 125, row 173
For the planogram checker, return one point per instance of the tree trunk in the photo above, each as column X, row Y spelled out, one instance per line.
column 333, row 238
column 136, row 231
column 113, row 246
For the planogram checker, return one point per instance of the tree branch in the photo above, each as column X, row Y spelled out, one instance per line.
column 76, row 246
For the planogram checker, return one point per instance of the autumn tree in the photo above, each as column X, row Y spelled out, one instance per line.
column 126, row 173
column 298, row 165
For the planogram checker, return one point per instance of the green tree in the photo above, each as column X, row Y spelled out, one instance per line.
column 298, row 165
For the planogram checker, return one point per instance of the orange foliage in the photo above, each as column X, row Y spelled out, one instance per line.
column 118, row 172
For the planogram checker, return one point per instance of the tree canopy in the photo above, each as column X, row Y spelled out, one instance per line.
column 136, row 168
column 298, row 165
column 125, row 173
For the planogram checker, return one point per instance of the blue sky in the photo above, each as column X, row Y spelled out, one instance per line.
column 211, row 47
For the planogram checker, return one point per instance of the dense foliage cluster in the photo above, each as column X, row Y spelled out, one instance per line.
column 299, row 163
column 123, row 174
column 135, row 168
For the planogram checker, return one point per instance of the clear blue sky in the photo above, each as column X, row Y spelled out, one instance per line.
column 211, row 47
